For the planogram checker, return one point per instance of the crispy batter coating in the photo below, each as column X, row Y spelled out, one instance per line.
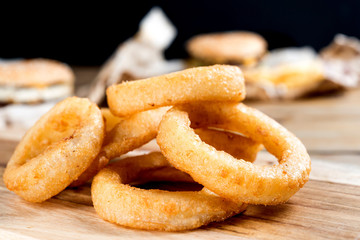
column 228, row 177
column 214, row 83
column 118, row 202
column 133, row 132
column 56, row 150
column 129, row 134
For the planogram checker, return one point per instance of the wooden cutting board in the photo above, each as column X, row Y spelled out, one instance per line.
column 324, row 209
column 327, row 207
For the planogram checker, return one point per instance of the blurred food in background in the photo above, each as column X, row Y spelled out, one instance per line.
column 237, row 48
column 141, row 56
column 285, row 74
column 291, row 73
column 29, row 88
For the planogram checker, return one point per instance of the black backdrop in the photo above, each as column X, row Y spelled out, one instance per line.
column 87, row 34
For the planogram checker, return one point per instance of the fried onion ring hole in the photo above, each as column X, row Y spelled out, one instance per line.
column 234, row 144
column 228, row 177
column 118, row 202
column 213, row 83
column 56, row 150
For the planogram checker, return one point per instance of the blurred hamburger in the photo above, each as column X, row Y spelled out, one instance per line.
column 237, row 48
column 285, row 73
column 34, row 81
column 29, row 88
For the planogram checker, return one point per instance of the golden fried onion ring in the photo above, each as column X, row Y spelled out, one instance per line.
column 214, row 83
column 56, row 150
column 129, row 134
column 116, row 201
column 221, row 173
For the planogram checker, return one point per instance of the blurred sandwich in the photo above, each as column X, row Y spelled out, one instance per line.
column 34, row 81
column 29, row 88
column 286, row 73
column 291, row 73
column 237, row 48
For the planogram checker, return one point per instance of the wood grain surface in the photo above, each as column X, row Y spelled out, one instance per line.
column 327, row 207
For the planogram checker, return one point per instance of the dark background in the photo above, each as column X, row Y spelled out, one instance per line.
column 88, row 34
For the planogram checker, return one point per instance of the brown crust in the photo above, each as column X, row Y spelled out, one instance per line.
column 127, row 135
column 237, row 47
column 236, row 180
column 34, row 73
column 56, row 150
column 189, row 85
column 151, row 209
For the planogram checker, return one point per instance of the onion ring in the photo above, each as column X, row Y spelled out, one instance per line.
column 221, row 173
column 236, row 145
column 116, row 201
column 127, row 135
column 56, row 150
column 214, row 83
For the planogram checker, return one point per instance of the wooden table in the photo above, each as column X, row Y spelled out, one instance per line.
column 328, row 207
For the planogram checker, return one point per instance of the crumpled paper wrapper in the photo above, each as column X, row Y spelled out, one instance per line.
column 342, row 61
column 141, row 56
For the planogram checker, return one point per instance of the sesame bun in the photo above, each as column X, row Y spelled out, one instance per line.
column 34, row 73
column 238, row 47
column 35, row 80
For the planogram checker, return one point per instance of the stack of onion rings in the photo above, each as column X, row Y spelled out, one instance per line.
column 203, row 132
column 116, row 201
column 229, row 176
